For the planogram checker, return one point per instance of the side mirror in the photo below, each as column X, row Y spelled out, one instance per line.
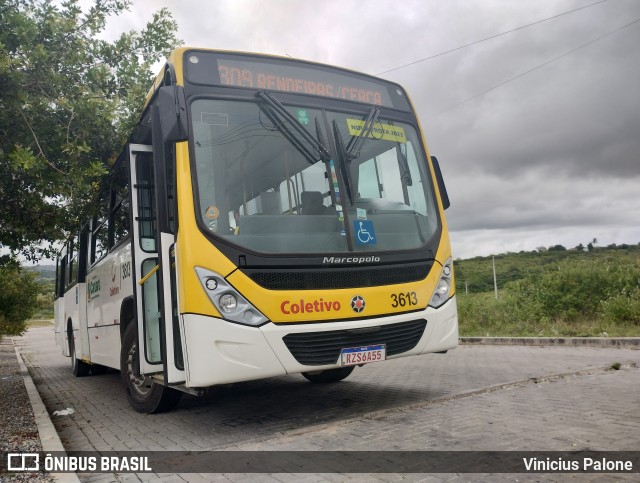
column 441, row 187
column 172, row 108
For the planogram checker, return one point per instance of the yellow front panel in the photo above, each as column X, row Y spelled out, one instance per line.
column 315, row 305
column 192, row 247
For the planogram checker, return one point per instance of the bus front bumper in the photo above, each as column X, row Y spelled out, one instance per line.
column 221, row 352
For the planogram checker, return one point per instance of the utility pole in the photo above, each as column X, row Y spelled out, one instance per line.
column 495, row 282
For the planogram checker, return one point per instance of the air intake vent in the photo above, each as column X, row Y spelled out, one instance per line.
column 321, row 348
column 332, row 278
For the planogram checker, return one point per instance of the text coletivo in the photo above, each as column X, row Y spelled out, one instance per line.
column 289, row 307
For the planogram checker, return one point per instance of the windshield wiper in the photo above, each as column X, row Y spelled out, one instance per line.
column 344, row 160
column 357, row 140
column 278, row 114
column 405, row 172
column 352, row 150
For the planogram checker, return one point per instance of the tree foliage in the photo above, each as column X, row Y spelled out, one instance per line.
column 68, row 100
column 18, row 294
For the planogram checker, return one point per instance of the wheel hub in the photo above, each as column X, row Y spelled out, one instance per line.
column 140, row 383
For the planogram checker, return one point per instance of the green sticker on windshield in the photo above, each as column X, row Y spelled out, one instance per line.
column 303, row 116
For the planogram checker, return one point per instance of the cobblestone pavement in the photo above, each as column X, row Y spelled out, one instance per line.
column 473, row 398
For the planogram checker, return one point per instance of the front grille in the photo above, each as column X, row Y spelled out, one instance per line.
column 333, row 278
column 320, row 348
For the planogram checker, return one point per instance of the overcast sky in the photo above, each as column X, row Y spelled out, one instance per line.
column 550, row 157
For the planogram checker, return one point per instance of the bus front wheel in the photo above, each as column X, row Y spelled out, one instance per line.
column 144, row 394
column 330, row 375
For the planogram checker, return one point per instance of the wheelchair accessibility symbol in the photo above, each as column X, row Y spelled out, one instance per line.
column 365, row 234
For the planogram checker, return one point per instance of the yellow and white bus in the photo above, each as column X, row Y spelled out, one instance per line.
column 270, row 216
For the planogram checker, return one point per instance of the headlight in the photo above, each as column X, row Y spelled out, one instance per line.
column 443, row 288
column 231, row 305
column 228, row 303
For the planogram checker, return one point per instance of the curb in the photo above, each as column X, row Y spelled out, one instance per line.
column 608, row 342
column 46, row 430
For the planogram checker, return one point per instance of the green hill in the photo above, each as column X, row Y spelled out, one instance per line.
column 554, row 292
column 475, row 275
column 44, row 273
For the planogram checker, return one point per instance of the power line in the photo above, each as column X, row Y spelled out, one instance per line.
column 539, row 66
column 491, row 37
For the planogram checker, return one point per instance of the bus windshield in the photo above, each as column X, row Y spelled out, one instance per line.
column 265, row 182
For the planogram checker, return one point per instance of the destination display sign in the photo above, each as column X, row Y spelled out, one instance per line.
column 265, row 73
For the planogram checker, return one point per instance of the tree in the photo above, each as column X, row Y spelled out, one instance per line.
column 68, row 100
column 18, row 294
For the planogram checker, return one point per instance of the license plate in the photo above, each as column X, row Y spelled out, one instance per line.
column 363, row 355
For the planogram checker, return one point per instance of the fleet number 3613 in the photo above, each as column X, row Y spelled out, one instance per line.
column 404, row 299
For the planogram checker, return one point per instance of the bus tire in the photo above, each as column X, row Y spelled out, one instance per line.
column 144, row 394
column 78, row 367
column 330, row 375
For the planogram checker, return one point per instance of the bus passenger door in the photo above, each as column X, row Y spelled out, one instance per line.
column 154, row 266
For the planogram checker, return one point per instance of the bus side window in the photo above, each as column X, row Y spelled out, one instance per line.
column 119, row 219
column 73, row 255
column 61, row 279
column 146, row 202
column 99, row 233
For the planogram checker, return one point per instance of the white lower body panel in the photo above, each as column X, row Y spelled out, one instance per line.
column 221, row 352
column 104, row 342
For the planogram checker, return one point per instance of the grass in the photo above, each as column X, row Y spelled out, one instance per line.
column 481, row 315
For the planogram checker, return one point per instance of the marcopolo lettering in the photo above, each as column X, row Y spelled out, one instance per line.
column 289, row 307
column 350, row 259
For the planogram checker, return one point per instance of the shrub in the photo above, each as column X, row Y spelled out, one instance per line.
column 18, row 293
column 622, row 308
column 573, row 289
column 567, row 298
